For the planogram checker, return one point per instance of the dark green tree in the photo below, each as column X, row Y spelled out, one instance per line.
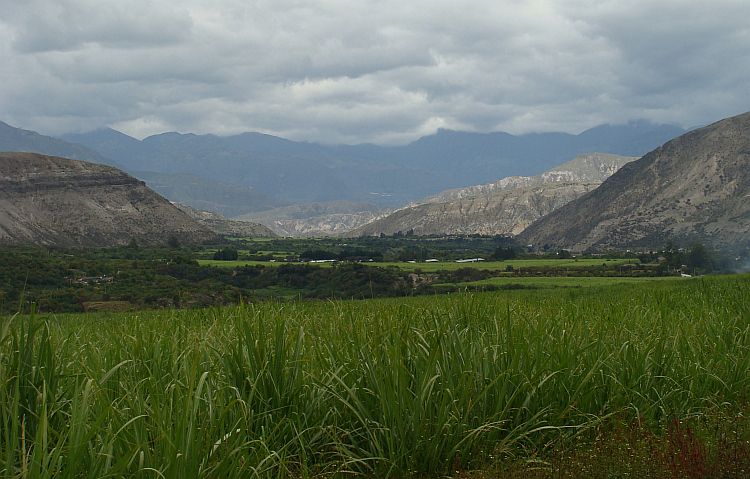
column 501, row 254
column 173, row 242
column 698, row 258
column 227, row 254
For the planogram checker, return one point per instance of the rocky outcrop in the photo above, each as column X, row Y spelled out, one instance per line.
column 695, row 188
column 56, row 201
column 505, row 212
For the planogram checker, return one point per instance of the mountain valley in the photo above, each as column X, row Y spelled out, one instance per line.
column 692, row 188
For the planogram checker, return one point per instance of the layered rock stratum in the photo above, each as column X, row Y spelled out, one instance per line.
column 695, row 188
column 49, row 200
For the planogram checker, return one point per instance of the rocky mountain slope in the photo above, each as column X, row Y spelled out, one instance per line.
column 504, row 212
column 695, row 188
column 57, row 201
column 226, row 227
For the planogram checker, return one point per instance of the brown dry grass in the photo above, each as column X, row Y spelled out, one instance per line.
column 717, row 446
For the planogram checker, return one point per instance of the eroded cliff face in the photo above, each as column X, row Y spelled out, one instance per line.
column 56, row 201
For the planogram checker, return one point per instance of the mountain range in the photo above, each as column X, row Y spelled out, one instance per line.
column 296, row 173
column 330, row 189
column 254, row 172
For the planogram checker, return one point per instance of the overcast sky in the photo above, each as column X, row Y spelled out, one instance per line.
column 381, row 71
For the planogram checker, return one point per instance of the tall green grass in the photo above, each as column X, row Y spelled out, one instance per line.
column 381, row 388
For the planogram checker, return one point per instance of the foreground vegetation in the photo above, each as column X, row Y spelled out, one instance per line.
column 387, row 388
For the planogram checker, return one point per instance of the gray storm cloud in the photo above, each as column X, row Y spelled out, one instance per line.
column 370, row 71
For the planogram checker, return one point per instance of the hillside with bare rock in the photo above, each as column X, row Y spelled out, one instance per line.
column 695, row 188
column 56, row 201
column 504, row 212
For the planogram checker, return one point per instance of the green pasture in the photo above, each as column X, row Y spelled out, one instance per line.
column 429, row 386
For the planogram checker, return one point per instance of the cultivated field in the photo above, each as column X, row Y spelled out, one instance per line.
column 433, row 385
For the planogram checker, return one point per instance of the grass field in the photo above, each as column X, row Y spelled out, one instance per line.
column 413, row 387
